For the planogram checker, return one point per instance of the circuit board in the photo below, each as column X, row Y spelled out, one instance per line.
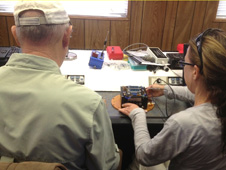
column 134, row 94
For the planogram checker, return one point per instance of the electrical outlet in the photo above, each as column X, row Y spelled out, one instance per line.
column 153, row 80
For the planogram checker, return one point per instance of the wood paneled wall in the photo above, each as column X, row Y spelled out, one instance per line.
column 162, row 24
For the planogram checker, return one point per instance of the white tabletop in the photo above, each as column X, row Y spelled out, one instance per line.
column 110, row 78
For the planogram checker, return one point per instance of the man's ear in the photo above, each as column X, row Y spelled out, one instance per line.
column 66, row 37
column 13, row 30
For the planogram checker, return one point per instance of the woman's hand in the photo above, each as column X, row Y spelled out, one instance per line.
column 155, row 90
column 127, row 108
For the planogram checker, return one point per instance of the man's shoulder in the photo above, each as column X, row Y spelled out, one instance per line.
column 86, row 92
column 81, row 92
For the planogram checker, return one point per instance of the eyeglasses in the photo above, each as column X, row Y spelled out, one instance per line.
column 182, row 64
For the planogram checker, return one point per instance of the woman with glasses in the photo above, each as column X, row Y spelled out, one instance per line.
column 193, row 139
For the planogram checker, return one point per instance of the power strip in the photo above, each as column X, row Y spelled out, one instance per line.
column 173, row 81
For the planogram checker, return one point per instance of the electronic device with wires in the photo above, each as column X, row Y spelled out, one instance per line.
column 141, row 57
column 144, row 63
column 78, row 79
column 6, row 52
column 97, row 57
column 152, row 58
column 158, row 55
column 134, row 94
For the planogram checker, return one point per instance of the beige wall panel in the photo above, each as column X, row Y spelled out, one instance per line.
column 183, row 23
column 153, row 23
column 198, row 19
column 169, row 27
column 222, row 26
column 78, row 34
column 4, row 40
column 210, row 16
column 95, row 33
column 120, row 33
column 156, row 23
column 135, row 22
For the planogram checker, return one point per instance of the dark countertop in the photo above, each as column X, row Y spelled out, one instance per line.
column 157, row 115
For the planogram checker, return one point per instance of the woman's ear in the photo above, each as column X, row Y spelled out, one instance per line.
column 67, row 36
column 13, row 30
column 196, row 72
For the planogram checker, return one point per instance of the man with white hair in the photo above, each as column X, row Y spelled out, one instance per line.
column 45, row 117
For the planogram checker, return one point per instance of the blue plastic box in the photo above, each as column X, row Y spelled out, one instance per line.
column 96, row 60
